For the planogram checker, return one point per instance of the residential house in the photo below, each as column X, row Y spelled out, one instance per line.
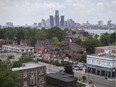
column 72, row 50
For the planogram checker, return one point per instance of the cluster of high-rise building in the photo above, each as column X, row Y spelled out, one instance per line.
column 56, row 21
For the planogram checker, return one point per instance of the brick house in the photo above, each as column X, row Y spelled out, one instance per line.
column 5, row 42
column 105, row 49
column 31, row 75
column 72, row 50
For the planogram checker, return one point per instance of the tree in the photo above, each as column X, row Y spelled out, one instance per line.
column 83, row 58
column 113, row 37
column 84, row 78
column 104, row 39
column 41, row 35
column 78, row 41
column 23, row 59
column 56, row 32
column 55, row 41
column 90, row 45
column 8, row 78
column 68, row 69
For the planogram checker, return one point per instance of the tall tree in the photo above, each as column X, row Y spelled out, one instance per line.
column 104, row 39
column 55, row 41
column 90, row 45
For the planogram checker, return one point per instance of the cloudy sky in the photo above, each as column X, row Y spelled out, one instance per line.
column 22, row 12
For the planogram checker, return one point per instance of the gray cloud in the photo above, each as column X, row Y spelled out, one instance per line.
column 29, row 11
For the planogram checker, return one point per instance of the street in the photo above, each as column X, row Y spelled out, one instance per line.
column 97, row 80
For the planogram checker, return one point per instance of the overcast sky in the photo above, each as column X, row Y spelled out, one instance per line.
column 22, row 12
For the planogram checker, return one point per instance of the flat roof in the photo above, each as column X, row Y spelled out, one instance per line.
column 105, row 56
column 62, row 76
column 19, row 46
column 108, row 47
column 28, row 65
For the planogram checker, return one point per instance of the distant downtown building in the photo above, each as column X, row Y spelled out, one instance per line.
column 9, row 24
column 57, row 18
column 62, row 21
column 51, row 21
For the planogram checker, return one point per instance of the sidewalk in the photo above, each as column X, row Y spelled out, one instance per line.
column 87, row 84
column 87, row 74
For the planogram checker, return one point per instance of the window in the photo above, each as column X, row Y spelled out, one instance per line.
column 41, row 79
column 32, row 81
column 41, row 72
column 25, row 75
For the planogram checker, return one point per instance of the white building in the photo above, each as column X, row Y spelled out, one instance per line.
column 17, row 48
column 103, row 64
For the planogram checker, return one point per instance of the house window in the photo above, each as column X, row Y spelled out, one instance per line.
column 41, row 72
column 32, row 81
column 41, row 79
column 25, row 75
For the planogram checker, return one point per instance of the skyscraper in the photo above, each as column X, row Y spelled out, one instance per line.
column 100, row 23
column 57, row 18
column 109, row 23
column 51, row 21
column 62, row 21
column 43, row 23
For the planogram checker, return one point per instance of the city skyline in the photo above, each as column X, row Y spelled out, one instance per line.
column 29, row 11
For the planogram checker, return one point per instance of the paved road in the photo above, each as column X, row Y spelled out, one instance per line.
column 97, row 80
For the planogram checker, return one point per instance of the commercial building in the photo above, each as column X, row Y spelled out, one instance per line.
column 17, row 48
column 60, row 79
column 51, row 21
column 31, row 75
column 57, row 18
column 62, row 21
column 103, row 63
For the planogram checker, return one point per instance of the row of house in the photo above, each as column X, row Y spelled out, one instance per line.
column 71, row 50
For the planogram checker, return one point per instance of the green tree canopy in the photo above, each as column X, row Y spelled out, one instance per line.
column 90, row 45
column 55, row 41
